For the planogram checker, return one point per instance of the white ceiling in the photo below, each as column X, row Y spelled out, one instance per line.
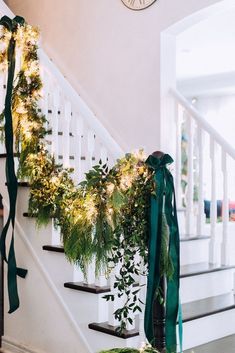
column 207, row 48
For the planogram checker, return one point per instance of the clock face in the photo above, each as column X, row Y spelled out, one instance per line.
column 138, row 4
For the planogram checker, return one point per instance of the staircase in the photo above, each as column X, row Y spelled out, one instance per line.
column 60, row 310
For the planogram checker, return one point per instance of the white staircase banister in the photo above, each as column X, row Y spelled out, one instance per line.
column 73, row 96
column 78, row 102
column 203, row 123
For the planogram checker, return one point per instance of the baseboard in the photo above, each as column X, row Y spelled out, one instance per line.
column 12, row 346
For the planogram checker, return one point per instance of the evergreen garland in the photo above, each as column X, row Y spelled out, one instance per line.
column 103, row 218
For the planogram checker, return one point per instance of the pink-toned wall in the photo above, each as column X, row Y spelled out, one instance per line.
column 111, row 55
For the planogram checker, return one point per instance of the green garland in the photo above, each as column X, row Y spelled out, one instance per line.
column 145, row 349
column 105, row 217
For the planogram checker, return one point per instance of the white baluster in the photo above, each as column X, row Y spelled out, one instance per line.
column 189, row 194
column 113, row 305
column 77, row 274
column 66, row 131
column 55, row 238
column 3, row 92
column 131, row 315
column 90, row 273
column 2, row 104
column 101, row 280
column 79, row 130
column 213, row 246
column 142, row 297
column 225, row 241
column 44, row 101
column 55, row 122
column 201, row 213
column 103, row 154
column 90, row 148
column 178, row 162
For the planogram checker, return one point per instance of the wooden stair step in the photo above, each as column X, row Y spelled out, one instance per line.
column 196, row 237
column 191, row 311
column 90, row 288
column 201, row 268
column 208, row 306
column 222, row 345
column 22, row 184
column 104, row 327
column 4, row 155
column 53, row 248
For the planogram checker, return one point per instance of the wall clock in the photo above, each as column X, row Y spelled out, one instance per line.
column 138, row 4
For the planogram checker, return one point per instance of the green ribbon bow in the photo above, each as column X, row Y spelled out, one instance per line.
column 12, row 186
column 164, row 189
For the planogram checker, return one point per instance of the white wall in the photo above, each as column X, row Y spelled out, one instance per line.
column 111, row 55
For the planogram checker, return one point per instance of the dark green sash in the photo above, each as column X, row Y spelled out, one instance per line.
column 164, row 188
column 11, row 178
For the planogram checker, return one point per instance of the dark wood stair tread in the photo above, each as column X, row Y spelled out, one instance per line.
column 209, row 306
column 104, row 327
column 90, row 288
column 27, row 215
column 53, row 248
column 201, row 268
column 22, row 183
column 185, row 238
column 191, row 311
column 4, row 155
column 222, row 345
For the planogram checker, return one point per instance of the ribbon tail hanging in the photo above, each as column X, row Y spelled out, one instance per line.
column 11, row 178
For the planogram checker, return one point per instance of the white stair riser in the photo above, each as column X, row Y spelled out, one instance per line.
column 86, row 307
column 101, row 341
column 209, row 328
column 194, row 251
column 206, row 285
column 181, row 221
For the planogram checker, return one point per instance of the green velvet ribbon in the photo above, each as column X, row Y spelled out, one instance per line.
column 163, row 202
column 13, row 270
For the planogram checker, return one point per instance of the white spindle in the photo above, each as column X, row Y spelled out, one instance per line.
column 66, row 131
column 225, row 241
column 111, row 306
column 103, row 154
column 90, row 148
column 200, row 214
column 114, row 305
column 178, row 162
column 55, row 122
column 190, row 185
column 213, row 258
column 77, row 274
column 131, row 315
column 101, row 280
column 56, row 239
column 79, row 127
column 142, row 297
column 90, row 273
column 3, row 91
column 45, row 90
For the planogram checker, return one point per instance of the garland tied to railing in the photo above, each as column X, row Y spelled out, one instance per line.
column 106, row 217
